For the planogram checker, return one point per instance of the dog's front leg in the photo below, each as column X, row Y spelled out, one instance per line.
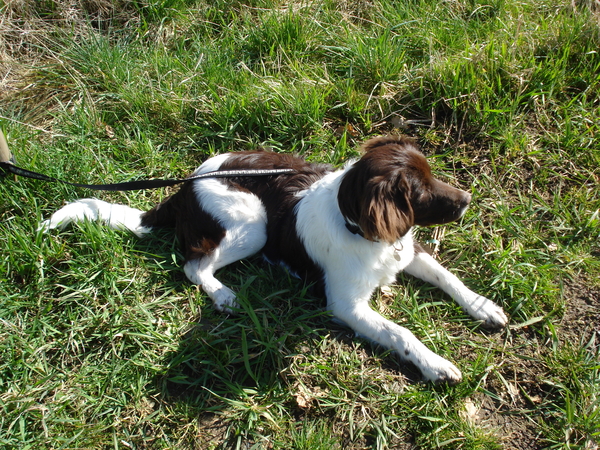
column 356, row 313
column 423, row 266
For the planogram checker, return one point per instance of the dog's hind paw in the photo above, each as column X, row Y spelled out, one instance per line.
column 225, row 301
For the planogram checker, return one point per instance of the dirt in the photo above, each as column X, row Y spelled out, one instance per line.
column 523, row 385
column 582, row 315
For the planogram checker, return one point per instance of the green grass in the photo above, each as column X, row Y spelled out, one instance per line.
column 105, row 344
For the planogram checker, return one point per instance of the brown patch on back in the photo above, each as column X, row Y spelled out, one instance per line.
column 199, row 233
column 278, row 193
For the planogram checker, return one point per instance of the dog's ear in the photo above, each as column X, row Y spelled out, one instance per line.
column 386, row 213
column 375, row 195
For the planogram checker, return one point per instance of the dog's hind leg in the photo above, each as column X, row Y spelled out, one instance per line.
column 201, row 271
column 243, row 219
column 240, row 242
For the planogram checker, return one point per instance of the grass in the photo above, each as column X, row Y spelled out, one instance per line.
column 103, row 342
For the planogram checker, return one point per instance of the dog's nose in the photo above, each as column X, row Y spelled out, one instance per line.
column 464, row 203
column 467, row 198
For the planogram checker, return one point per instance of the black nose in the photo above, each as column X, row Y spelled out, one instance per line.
column 466, row 199
column 463, row 203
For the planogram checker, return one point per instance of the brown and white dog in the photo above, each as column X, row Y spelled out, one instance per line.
column 348, row 231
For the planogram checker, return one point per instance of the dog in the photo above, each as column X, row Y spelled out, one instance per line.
column 345, row 231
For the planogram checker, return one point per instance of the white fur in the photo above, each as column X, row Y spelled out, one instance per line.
column 212, row 164
column 423, row 266
column 244, row 217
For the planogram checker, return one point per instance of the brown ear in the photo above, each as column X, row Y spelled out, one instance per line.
column 386, row 213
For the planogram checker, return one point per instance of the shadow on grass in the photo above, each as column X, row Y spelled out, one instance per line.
column 279, row 364
column 221, row 358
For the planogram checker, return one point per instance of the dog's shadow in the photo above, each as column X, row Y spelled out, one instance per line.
column 279, row 335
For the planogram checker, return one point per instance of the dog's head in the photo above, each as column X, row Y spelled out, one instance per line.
column 391, row 188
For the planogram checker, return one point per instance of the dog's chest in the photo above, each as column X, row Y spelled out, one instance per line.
column 394, row 258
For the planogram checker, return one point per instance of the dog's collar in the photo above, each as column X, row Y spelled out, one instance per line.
column 354, row 229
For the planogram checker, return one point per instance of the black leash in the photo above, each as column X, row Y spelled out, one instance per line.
column 9, row 167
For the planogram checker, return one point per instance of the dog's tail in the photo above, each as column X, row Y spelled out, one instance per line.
column 117, row 216
column 114, row 215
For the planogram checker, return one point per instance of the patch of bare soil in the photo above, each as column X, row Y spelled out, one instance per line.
column 515, row 388
column 520, row 388
column 582, row 315
column 214, row 429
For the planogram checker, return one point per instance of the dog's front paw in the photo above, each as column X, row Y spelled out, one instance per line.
column 225, row 301
column 484, row 309
column 496, row 318
column 439, row 370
